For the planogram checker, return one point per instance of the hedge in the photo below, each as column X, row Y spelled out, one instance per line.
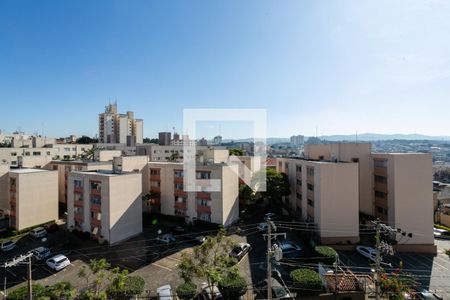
column 134, row 285
column 233, row 287
column 325, row 251
column 186, row 291
column 306, row 279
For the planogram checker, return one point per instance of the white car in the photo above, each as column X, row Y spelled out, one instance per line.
column 367, row 252
column 58, row 262
column 164, row 292
column 7, row 245
column 41, row 253
column 441, row 234
column 38, row 232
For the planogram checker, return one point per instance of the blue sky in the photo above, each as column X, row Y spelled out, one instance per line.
column 340, row 66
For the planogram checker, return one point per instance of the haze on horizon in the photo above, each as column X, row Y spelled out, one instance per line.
column 340, row 67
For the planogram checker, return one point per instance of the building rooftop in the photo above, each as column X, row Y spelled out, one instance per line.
column 27, row 171
column 108, row 173
column 80, row 162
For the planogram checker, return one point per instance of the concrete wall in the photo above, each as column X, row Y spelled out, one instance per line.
column 4, row 190
column 36, row 197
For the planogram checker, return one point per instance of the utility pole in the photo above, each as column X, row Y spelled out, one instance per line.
column 270, row 253
column 23, row 259
column 377, row 261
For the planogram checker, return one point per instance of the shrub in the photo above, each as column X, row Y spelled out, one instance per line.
column 61, row 290
column 306, row 279
column 232, row 287
column 325, row 251
column 134, row 285
column 22, row 292
column 186, row 291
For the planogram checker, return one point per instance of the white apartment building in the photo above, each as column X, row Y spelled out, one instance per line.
column 168, row 196
column 297, row 140
column 33, row 197
column 166, row 153
column 107, row 204
column 326, row 194
column 120, row 128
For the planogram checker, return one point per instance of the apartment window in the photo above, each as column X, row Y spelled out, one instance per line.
column 299, row 196
column 204, row 217
column 166, row 151
column 13, row 154
column 13, row 162
column 203, row 175
column 27, row 153
column 77, row 183
column 203, row 202
column 382, row 210
column 286, row 166
column 67, row 149
column 299, row 169
column 310, row 171
column 36, row 153
column 299, row 182
column 96, row 185
column 179, row 212
column 12, row 182
column 155, row 183
column 96, row 200
column 310, row 203
column 355, row 160
column 380, row 194
column 280, row 164
column 310, row 187
column 74, row 149
column 179, row 186
column 178, row 173
column 321, row 157
column 380, row 163
column 154, row 171
column 48, row 153
column 380, row 179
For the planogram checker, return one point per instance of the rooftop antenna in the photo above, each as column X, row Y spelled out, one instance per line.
column 316, row 131
column 356, row 136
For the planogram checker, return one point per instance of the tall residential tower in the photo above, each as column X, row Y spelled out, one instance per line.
column 119, row 128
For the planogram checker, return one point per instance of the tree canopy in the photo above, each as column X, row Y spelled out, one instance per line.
column 236, row 151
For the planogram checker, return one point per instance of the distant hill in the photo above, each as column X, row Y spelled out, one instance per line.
column 368, row 137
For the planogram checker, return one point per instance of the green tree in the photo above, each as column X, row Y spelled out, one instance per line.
column 246, row 194
column 99, row 270
column 236, row 152
column 150, row 141
column 124, row 286
column 277, row 185
column 61, row 290
column 86, row 140
column 210, row 261
column 22, row 292
column 396, row 284
column 174, row 156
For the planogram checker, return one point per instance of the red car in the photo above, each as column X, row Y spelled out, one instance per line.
column 53, row 227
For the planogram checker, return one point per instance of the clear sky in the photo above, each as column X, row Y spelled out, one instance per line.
column 340, row 66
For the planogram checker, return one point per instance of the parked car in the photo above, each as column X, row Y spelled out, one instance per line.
column 262, row 227
column 178, row 230
column 58, row 262
column 166, row 238
column 41, row 253
column 200, row 239
column 290, row 250
column 52, row 227
column 7, row 245
column 367, row 252
column 206, row 293
column 441, row 234
column 38, row 232
column 278, row 290
column 240, row 250
column 427, row 295
column 164, row 292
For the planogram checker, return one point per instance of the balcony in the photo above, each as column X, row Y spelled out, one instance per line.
column 12, row 188
column 96, row 207
column 180, row 205
column 78, row 189
column 180, row 193
column 178, row 179
column 310, row 210
column 155, row 189
column 380, row 171
column 379, row 186
column 155, row 178
column 12, row 213
column 204, row 195
column 78, row 203
column 96, row 223
column 96, row 192
column 79, row 218
column 203, row 209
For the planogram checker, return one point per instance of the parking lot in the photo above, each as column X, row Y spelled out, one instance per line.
column 157, row 263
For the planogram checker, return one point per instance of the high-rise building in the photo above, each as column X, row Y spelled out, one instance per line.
column 297, row 140
column 119, row 128
column 164, row 138
column 217, row 140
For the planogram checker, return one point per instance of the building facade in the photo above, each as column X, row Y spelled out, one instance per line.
column 119, row 128
column 108, row 205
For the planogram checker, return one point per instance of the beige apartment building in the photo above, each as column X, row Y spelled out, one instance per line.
column 324, row 193
column 120, row 128
column 163, row 153
column 167, row 195
column 403, row 194
column 33, row 197
column 105, row 203
column 64, row 167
